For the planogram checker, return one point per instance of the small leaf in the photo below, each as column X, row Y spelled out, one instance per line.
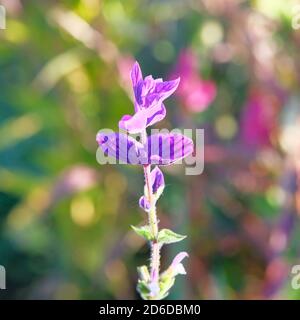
column 144, row 273
column 143, row 289
column 165, row 285
column 144, row 232
column 166, row 236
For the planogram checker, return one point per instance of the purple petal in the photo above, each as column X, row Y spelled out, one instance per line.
column 159, row 92
column 134, row 124
column 136, row 74
column 142, row 119
column 144, row 203
column 138, row 89
column 137, row 84
column 142, row 91
column 149, row 85
column 157, row 179
column 156, row 114
column 179, row 257
column 165, row 149
column 149, row 91
column 122, row 147
column 166, row 88
column 176, row 266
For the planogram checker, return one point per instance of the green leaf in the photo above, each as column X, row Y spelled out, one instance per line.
column 144, row 273
column 165, row 285
column 143, row 289
column 144, row 232
column 166, row 236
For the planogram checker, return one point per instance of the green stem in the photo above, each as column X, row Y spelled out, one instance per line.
column 152, row 213
column 153, row 223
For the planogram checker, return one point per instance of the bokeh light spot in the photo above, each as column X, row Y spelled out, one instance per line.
column 82, row 211
column 163, row 51
column 226, row 127
column 211, row 33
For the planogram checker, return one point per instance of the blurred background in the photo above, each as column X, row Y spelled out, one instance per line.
column 64, row 219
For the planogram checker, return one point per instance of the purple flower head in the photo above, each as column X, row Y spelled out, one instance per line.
column 157, row 179
column 122, row 147
column 156, row 149
column 144, row 203
column 159, row 149
column 149, row 94
column 157, row 185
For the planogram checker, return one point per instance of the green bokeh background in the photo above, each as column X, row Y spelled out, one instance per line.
column 64, row 219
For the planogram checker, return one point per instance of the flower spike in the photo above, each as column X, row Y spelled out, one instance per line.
column 160, row 150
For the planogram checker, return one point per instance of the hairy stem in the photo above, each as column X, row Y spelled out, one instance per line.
column 152, row 213
column 153, row 223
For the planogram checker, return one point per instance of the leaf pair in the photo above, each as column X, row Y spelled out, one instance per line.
column 165, row 236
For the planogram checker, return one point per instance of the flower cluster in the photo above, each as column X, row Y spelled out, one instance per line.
column 157, row 149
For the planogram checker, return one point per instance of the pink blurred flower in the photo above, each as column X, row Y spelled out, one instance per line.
column 195, row 93
column 75, row 179
column 124, row 64
column 257, row 119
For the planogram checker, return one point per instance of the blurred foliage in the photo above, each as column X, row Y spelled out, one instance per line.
column 64, row 219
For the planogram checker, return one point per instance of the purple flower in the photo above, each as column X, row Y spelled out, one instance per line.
column 122, row 147
column 156, row 149
column 176, row 266
column 144, row 203
column 157, row 179
column 159, row 149
column 157, row 184
column 149, row 94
